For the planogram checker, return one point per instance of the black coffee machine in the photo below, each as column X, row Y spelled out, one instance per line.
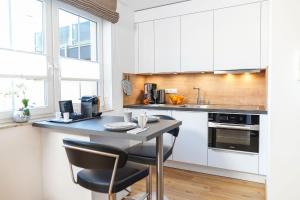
column 89, row 106
column 149, row 90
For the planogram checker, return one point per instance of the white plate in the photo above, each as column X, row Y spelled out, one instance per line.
column 120, row 126
column 151, row 119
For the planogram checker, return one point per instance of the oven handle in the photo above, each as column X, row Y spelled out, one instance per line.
column 233, row 126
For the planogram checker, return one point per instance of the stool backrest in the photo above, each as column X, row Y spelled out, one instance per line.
column 175, row 131
column 91, row 155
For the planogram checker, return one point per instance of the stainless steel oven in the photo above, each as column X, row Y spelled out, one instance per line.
column 236, row 132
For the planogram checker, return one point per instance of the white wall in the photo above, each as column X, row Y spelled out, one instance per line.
column 122, row 52
column 20, row 164
column 284, row 101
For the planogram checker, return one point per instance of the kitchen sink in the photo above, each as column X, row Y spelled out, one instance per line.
column 194, row 106
column 156, row 105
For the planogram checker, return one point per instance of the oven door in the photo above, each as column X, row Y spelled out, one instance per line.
column 234, row 137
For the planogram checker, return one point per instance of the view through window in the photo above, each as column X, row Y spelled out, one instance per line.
column 27, row 58
column 78, row 51
column 23, row 71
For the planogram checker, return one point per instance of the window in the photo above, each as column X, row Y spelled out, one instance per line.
column 77, row 37
column 78, row 44
column 23, row 60
column 48, row 51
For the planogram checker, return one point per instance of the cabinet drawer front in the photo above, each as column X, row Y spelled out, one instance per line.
column 233, row 161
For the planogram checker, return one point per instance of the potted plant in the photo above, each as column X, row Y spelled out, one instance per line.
column 21, row 114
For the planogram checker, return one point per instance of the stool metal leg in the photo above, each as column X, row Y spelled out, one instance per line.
column 149, row 184
column 112, row 197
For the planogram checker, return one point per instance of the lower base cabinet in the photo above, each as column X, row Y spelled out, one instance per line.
column 191, row 144
column 236, row 161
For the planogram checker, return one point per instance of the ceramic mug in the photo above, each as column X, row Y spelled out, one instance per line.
column 142, row 120
column 58, row 115
column 127, row 116
column 66, row 116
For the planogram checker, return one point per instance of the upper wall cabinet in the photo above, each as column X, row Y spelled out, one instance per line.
column 264, row 34
column 197, row 42
column 167, row 45
column 145, row 52
column 237, row 37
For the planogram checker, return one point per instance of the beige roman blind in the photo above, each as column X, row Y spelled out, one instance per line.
column 105, row 9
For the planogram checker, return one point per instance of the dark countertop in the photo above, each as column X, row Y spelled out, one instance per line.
column 96, row 127
column 203, row 108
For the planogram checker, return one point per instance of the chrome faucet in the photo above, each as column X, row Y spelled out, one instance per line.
column 198, row 96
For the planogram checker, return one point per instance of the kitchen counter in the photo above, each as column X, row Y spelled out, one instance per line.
column 96, row 127
column 203, row 108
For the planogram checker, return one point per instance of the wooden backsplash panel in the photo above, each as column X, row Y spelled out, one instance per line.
column 239, row 89
column 138, row 82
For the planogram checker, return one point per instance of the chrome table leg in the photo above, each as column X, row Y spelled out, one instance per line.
column 159, row 168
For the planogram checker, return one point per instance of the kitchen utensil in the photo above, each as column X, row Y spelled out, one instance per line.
column 148, row 91
column 127, row 86
column 161, row 97
column 155, row 95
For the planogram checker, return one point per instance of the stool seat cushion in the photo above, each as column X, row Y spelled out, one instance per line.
column 99, row 180
column 145, row 153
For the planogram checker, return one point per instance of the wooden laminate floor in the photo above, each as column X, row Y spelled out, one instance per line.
column 185, row 185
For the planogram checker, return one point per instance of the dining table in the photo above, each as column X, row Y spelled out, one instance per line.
column 96, row 127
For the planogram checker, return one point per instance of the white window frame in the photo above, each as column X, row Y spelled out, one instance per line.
column 47, row 47
column 51, row 51
column 56, row 6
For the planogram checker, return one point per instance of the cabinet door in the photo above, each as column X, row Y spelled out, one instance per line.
column 167, row 45
column 237, row 37
column 197, row 42
column 191, row 144
column 263, row 144
column 264, row 34
column 136, row 48
column 146, row 47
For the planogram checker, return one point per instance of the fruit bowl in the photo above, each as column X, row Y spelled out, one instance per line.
column 176, row 99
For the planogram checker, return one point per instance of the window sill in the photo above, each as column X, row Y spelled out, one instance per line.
column 6, row 125
column 10, row 124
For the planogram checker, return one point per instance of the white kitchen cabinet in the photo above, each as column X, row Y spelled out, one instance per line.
column 145, row 47
column 265, row 34
column 191, row 144
column 238, row 161
column 197, row 42
column 167, row 45
column 136, row 48
column 263, row 144
column 237, row 37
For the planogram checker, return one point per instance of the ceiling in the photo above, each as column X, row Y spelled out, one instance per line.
column 144, row 4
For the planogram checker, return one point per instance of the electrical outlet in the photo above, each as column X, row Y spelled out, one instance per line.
column 171, row 91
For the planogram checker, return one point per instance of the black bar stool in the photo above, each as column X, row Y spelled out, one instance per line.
column 105, row 168
column 145, row 153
